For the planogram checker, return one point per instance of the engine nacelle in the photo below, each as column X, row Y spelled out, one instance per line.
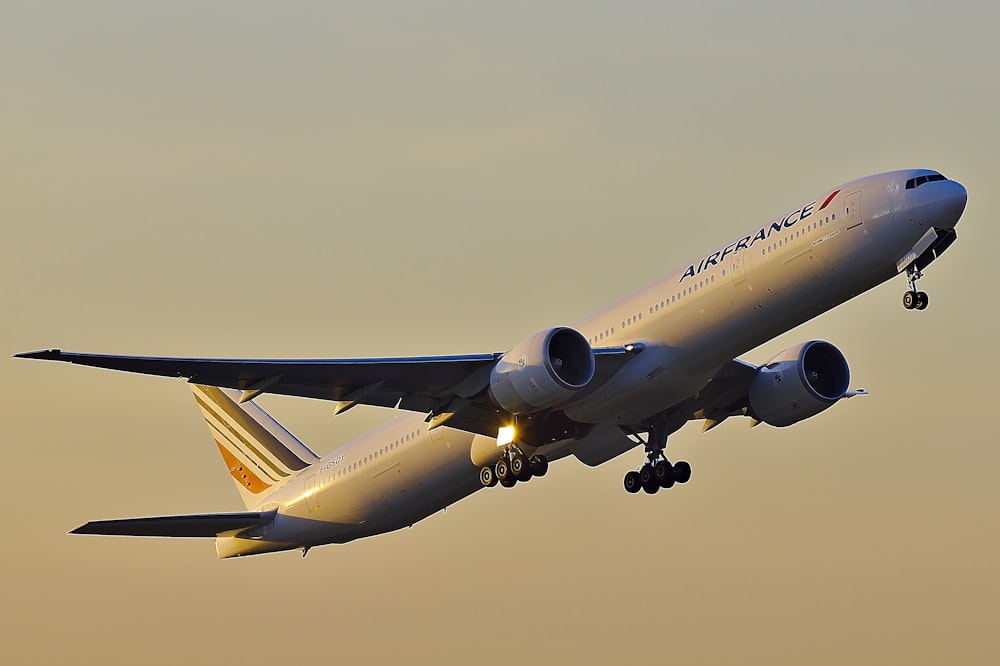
column 798, row 383
column 544, row 371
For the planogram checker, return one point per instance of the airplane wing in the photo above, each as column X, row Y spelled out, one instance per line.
column 725, row 395
column 379, row 381
column 451, row 388
column 197, row 525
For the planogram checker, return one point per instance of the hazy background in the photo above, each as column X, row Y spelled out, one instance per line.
column 311, row 179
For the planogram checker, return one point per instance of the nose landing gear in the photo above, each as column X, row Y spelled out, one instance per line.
column 913, row 299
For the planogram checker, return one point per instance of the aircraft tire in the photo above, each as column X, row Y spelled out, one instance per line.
column 663, row 474
column 922, row 301
column 651, row 487
column 632, row 482
column 910, row 300
column 519, row 467
column 509, row 482
column 538, row 465
column 502, row 470
column 682, row 471
column 487, row 477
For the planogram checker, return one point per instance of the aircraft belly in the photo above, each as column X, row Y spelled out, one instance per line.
column 424, row 479
column 656, row 379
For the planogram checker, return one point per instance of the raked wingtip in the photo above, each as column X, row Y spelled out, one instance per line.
column 44, row 354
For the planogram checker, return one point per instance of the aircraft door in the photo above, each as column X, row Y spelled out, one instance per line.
column 852, row 209
column 311, row 493
column 739, row 266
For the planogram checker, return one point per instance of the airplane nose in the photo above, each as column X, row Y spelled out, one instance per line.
column 949, row 204
column 937, row 203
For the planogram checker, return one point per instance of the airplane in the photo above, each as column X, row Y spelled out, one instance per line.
column 630, row 375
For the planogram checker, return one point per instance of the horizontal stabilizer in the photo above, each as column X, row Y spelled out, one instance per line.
column 196, row 525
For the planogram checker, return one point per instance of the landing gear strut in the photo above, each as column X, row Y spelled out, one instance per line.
column 658, row 472
column 512, row 467
column 913, row 299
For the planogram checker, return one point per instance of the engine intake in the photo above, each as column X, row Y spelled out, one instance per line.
column 798, row 383
column 543, row 371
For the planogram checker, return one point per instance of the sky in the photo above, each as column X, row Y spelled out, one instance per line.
column 314, row 179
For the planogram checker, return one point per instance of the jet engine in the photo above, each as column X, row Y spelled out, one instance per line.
column 798, row 383
column 543, row 371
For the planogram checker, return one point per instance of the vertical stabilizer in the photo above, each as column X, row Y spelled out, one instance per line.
column 260, row 454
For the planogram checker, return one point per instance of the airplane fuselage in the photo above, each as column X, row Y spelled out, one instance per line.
column 690, row 323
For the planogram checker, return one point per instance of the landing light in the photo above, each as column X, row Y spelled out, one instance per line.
column 505, row 435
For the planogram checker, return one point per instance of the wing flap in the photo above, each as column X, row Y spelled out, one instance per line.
column 194, row 525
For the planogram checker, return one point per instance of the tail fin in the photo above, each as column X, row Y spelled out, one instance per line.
column 260, row 454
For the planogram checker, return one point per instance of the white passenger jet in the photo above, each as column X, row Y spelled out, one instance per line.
column 630, row 375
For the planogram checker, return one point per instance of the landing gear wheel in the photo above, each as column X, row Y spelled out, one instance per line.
column 502, row 470
column 632, row 482
column 487, row 477
column 921, row 302
column 682, row 471
column 648, row 481
column 538, row 465
column 663, row 473
column 519, row 467
column 910, row 300
column 509, row 482
column 646, row 474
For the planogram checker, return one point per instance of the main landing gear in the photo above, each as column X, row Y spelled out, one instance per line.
column 913, row 299
column 512, row 467
column 658, row 472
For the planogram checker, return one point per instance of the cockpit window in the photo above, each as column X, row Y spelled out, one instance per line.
column 920, row 180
